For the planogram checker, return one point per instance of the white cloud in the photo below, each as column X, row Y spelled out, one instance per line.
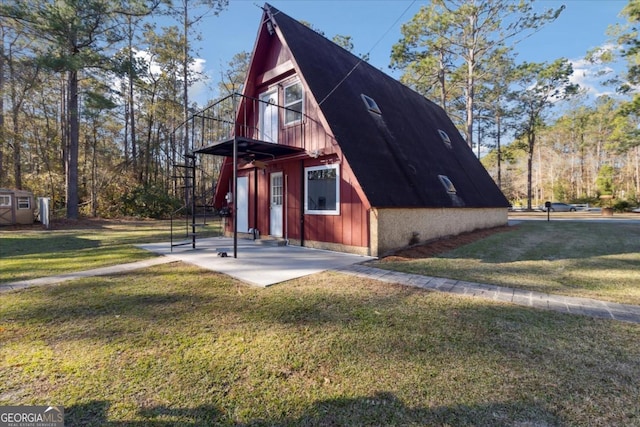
column 589, row 76
column 199, row 90
column 591, row 73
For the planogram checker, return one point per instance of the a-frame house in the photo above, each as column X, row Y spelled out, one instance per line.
column 323, row 150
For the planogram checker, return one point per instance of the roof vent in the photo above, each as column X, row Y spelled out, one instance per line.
column 445, row 138
column 371, row 104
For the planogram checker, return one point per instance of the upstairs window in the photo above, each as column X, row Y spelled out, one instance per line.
column 293, row 98
column 447, row 184
column 371, row 104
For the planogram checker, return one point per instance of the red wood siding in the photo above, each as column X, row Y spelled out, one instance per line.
column 272, row 68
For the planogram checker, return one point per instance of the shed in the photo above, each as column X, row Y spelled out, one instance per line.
column 16, row 207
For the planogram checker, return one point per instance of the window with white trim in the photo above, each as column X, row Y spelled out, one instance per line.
column 322, row 190
column 24, row 202
column 293, row 101
column 5, row 201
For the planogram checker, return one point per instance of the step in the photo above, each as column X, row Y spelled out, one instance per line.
column 182, row 243
column 271, row 241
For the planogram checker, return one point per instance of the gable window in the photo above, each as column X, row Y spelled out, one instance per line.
column 293, row 97
column 447, row 184
column 5, row 201
column 445, row 138
column 24, row 202
column 322, row 190
column 371, row 104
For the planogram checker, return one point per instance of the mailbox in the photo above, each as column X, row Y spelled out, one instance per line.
column 547, row 206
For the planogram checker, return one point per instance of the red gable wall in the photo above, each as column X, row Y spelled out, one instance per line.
column 273, row 67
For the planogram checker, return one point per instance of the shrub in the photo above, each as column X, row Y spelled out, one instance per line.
column 149, row 201
column 621, row 206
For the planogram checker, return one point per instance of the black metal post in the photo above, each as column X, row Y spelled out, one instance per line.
column 235, row 181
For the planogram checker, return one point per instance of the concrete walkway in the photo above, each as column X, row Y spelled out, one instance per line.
column 267, row 266
column 103, row 271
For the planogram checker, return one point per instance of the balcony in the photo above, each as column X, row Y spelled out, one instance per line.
column 259, row 130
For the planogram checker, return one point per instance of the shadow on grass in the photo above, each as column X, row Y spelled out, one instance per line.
column 378, row 409
column 44, row 244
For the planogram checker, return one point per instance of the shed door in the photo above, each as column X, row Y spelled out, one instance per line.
column 277, row 196
column 269, row 122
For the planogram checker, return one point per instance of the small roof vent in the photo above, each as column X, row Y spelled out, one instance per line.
column 445, row 138
column 371, row 104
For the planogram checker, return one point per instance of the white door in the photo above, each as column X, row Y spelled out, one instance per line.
column 269, row 122
column 277, row 196
column 243, row 204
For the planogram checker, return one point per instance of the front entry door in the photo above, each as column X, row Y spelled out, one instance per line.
column 269, row 122
column 277, row 196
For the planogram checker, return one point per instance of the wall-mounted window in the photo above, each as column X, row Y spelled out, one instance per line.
column 5, row 201
column 445, row 138
column 371, row 104
column 24, row 202
column 447, row 184
column 322, row 190
column 293, row 101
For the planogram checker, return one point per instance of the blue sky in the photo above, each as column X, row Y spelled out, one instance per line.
column 374, row 26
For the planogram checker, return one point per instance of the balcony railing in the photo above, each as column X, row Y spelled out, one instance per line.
column 241, row 116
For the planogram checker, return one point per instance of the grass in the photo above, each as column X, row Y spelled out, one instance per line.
column 173, row 345
column 33, row 253
column 585, row 259
column 176, row 345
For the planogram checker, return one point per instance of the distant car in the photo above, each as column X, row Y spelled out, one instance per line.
column 560, row 207
column 636, row 210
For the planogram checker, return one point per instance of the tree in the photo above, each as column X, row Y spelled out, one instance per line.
column 201, row 9
column 2, row 133
column 492, row 97
column 540, row 86
column 451, row 34
column 232, row 78
column 77, row 33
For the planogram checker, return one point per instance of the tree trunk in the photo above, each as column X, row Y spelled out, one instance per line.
column 185, row 77
column 131, row 102
column 74, row 138
column 443, row 83
column 17, row 149
column 2, row 133
column 469, row 105
column 499, row 149
column 531, row 138
column 471, row 65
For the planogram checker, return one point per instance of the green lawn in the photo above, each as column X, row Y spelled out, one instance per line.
column 176, row 345
column 33, row 253
column 583, row 259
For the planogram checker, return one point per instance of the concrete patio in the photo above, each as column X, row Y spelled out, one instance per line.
column 257, row 264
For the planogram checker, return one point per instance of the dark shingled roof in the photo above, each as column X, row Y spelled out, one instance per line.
column 397, row 156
